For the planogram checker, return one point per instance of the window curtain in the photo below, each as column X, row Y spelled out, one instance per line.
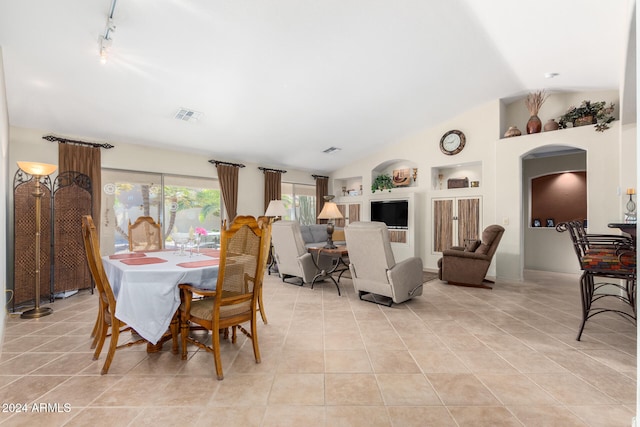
column 272, row 186
column 228, row 178
column 322, row 189
column 86, row 160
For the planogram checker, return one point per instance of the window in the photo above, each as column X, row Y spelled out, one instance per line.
column 179, row 203
column 300, row 201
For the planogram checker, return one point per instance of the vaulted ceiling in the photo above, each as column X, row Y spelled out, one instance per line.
column 279, row 81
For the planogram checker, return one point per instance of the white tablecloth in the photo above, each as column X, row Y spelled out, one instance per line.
column 147, row 295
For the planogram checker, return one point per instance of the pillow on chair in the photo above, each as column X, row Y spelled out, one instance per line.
column 471, row 245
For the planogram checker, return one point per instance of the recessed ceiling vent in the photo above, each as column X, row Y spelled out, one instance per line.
column 187, row 115
column 332, row 150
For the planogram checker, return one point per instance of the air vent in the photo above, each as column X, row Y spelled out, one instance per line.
column 187, row 115
column 331, row 150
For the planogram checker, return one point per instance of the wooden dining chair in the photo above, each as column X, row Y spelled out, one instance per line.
column 87, row 246
column 107, row 318
column 145, row 234
column 244, row 248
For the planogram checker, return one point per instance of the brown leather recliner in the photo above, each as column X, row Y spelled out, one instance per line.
column 468, row 266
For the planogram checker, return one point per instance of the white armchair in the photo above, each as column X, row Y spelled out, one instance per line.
column 373, row 267
column 291, row 254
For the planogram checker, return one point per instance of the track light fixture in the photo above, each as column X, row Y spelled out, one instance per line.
column 105, row 40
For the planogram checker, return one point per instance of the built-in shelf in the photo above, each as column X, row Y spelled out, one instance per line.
column 471, row 172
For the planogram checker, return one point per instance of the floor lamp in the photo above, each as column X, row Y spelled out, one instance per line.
column 37, row 170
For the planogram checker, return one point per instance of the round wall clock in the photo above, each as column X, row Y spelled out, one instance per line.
column 452, row 142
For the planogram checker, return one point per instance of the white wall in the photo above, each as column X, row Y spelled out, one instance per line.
column 27, row 144
column 4, row 189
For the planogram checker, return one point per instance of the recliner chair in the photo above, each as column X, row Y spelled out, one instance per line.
column 291, row 254
column 468, row 265
column 373, row 268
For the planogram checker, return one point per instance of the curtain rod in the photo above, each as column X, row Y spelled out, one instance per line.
column 218, row 162
column 53, row 138
column 271, row 170
column 319, row 176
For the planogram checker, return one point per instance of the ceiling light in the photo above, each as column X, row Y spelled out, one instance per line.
column 187, row 115
column 331, row 150
column 105, row 40
column 550, row 75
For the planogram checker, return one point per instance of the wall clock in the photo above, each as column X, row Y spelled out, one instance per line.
column 452, row 142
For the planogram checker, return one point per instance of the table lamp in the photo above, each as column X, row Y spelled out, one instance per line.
column 37, row 170
column 330, row 211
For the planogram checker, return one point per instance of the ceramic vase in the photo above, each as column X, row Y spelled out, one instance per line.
column 534, row 125
column 551, row 125
column 512, row 131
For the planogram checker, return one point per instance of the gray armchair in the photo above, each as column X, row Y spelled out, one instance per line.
column 373, row 267
column 291, row 254
column 468, row 266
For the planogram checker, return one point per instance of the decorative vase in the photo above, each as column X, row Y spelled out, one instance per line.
column 551, row 125
column 512, row 131
column 534, row 125
column 584, row 121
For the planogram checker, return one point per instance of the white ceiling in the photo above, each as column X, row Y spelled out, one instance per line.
column 279, row 81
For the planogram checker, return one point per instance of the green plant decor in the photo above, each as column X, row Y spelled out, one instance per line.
column 602, row 114
column 382, row 182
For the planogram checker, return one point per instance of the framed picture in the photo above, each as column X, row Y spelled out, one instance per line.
column 401, row 177
column 550, row 222
column 537, row 223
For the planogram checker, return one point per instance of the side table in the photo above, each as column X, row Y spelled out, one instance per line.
column 338, row 254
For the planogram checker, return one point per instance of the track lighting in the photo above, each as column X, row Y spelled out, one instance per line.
column 105, row 40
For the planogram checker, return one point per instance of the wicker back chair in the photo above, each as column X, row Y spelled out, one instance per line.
column 244, row 248
column 145, row 234
column 107, row 305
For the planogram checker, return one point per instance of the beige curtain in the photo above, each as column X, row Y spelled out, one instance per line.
column 322, row 189
column 86, row 160
column 272, row 186
column 228, row 178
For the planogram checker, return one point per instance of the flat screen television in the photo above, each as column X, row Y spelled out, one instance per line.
column 394, row 213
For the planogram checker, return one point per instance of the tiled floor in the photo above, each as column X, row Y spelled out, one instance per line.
column 453, row 357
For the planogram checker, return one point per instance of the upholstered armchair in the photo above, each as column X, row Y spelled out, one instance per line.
column 374, row 270
column 468, row 265
column 291, row 254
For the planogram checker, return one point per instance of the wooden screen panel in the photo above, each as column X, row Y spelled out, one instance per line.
column 72, row 199
column 442, row 225
column 24, row 227
column 468, row 220
column 398, row 236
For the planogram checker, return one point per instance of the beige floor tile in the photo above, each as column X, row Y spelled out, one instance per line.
column 344, row 341
column 294, row 416
column 605, row 415
column 483, row 416
column 352, row 389
column 551, row 416
column 439, row 362
column 301, row 361
column 420, row 416
column 347, row 361
column 516, row 389
column 393, row 361
column 531, row 362
column 297, row 389
column 407, row 389
column 570, row 390
column 226, row 416
column 369, row 416
column 243, row 390
column 461, row 390
column 485, row 361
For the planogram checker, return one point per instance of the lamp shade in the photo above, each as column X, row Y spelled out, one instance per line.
column 330, row 211
column 276, row 208
column 37, row 169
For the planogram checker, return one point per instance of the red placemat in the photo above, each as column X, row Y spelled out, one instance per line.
column 127, row 256
column 215, row 253
column 143, row 261
column 202, row 263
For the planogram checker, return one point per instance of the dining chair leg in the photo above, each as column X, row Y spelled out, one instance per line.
column 100, row 337
column 174, row 328
column 261, row 307
column 215, row 338
column 254, row 339
column 184, row 332
column 115, row 334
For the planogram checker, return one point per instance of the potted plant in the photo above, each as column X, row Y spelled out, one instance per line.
column 588, row 113
column 382, row 182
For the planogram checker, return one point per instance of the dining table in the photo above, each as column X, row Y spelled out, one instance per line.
column 145, row 285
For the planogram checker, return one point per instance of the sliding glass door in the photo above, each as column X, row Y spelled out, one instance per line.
column 178, row 203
